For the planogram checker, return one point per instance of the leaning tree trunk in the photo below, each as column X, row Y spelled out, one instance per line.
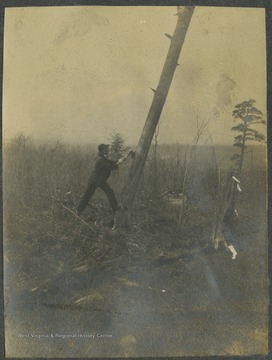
column 160, row 94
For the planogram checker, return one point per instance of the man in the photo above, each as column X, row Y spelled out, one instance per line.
column 99, row 177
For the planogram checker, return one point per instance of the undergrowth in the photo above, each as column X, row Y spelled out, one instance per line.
column 42, row 183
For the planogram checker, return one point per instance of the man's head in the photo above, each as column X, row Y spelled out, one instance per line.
column 103, row 149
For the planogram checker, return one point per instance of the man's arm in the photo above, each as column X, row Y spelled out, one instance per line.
column 113, row 165
column 124, row 158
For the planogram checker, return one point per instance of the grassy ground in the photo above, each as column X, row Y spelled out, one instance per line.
column 158, row 289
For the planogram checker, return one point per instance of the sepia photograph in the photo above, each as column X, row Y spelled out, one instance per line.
column 134, row 143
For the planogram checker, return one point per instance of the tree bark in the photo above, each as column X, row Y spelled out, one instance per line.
column 160, row 94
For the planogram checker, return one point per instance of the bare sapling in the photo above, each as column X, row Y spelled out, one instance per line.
column 189, row 159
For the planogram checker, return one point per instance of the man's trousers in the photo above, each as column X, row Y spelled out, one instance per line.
column 91, row 190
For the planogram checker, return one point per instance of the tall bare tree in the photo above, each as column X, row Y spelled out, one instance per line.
column 184, row 17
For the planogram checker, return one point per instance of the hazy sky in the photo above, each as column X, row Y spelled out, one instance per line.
column 81, row 73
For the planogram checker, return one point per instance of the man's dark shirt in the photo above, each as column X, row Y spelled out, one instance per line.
column 102, row 170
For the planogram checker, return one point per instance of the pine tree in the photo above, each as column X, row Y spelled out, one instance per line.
column 117, row 146
column 249, row 116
